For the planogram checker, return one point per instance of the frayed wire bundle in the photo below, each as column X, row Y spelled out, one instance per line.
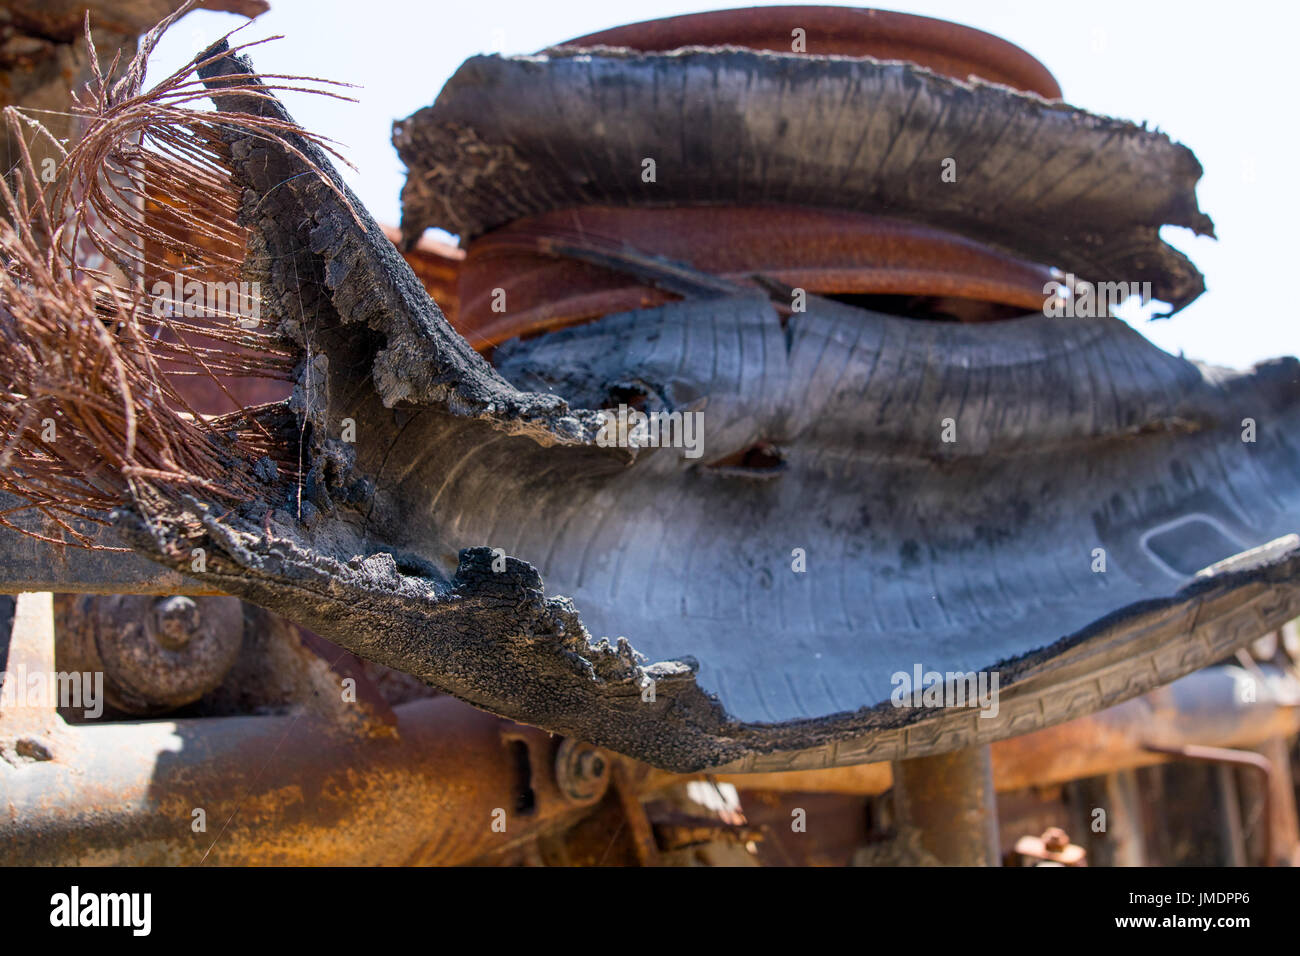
column 92, row 417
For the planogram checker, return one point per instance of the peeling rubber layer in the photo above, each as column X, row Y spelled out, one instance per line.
column 423, row 545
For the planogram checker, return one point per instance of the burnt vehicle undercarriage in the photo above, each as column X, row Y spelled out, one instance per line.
column 905, row 464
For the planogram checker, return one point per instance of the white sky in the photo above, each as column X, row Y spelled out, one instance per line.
column 1217, row 77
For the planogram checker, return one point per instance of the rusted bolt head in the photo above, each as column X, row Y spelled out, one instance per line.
column 1055, row 839
column 178, row 621
column 591, row 765
column 581, row 771
column 155, row 654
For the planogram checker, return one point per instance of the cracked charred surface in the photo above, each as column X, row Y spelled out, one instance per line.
column 965, row 557
column 510, row 137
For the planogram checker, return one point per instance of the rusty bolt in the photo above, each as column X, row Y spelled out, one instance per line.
column 581, row 771
column 178, row 620
column 591, row 765
column 155, row 654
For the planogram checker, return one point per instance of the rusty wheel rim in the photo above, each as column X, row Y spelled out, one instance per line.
column 824, row 252
column 947, row 48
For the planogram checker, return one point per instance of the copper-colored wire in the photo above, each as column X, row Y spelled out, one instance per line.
column 82, row 349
